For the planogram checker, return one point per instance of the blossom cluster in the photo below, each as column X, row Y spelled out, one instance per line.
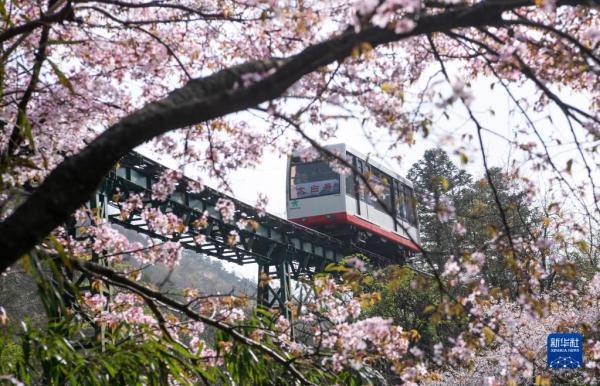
column 166, row 184
column 349, row 341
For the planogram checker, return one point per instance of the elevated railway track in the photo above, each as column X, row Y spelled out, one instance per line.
column 283, row 250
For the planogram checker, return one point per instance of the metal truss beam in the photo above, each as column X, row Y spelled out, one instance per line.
column 283, row 250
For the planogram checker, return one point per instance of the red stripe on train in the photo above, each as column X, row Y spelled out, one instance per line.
column 336, row 218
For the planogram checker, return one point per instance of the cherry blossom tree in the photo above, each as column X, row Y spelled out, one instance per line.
column 83, row 82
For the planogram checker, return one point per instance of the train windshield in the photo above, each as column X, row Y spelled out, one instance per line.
column 313, row 179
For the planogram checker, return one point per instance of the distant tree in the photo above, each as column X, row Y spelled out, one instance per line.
column 409, row 298
column 488, row 213
column 438, row 183
column 459, row 216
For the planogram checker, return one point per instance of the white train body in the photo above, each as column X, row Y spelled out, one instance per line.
column 319, row 197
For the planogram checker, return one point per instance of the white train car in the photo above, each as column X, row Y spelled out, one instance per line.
column 340, row 205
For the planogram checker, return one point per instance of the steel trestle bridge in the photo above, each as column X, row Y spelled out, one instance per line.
column 283, row 250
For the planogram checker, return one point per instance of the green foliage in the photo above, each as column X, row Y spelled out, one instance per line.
column 410, row 298
column 477, row 210
column 72, row 349
column 434, row 176
column 69, row 353
column 64, row 354
column 483, row 219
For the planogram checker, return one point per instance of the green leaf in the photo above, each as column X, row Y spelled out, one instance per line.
column 264, row 312
column 24, row 162
column 445, row 183
column 387, row 87
column 64, row 42
column 62, row 78
column 334, row 267
column 583, row 246
column 108, row 367
column 4, row 14
column 25, row 127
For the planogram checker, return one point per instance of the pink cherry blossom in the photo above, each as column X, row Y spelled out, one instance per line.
column 166, row 184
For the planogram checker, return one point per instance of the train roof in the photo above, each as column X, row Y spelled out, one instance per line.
column 371, row 160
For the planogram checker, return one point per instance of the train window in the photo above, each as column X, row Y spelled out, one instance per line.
column 350, row 186
column 138, row 178
column 178, row 197
column 381, row 184
column 122, row 172
column 313, row 179
column 386, row 195
column 362, row 191
column 196, row 203
column 413, row 205
column 400, row 203
column 410, row 205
